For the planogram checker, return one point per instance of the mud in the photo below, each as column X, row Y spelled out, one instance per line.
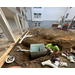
column 64, row 39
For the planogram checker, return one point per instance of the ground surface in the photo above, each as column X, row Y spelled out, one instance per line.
column 4, row 42
column 64, row 39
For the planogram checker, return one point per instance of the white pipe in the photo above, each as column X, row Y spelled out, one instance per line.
column 21, row 49
column 48, row 62
column 56, row 63
column 63, row 64
column 23, row 37
column 63, row 55
column 29, row 35
column 71, row 59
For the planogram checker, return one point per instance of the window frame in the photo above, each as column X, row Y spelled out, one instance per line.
column 67, row 15
column 39, row 23
column 35, row 15
column 35, row 25
column 39, row 15
column 70, row 7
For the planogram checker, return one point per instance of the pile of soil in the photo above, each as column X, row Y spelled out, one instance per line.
column 64, row 39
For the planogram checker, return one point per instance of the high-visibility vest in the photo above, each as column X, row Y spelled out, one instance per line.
column 66, row 24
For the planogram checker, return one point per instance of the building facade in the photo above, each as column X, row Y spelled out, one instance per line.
column 39, row 17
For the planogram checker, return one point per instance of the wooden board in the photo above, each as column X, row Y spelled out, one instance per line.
column 2, row 58
column 3, row 61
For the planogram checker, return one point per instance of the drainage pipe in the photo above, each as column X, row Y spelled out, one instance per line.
column 21, row 49
column 48, row 62
column 23, row 37
column 71, row 59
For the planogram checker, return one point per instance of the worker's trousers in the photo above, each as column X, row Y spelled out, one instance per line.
column 48, row 52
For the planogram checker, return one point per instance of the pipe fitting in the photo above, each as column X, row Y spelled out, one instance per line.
column 48, row 62
column 56, row 63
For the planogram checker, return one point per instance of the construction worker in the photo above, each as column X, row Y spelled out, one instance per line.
column 66, row 25
column 52, row 48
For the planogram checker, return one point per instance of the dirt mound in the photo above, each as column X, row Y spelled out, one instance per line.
column 64, row 39
column 49, row 35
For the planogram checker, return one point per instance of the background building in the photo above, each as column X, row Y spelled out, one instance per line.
column 46, row 16
column 22, row 18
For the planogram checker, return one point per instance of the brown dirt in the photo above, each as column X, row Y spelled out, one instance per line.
column 64, row 39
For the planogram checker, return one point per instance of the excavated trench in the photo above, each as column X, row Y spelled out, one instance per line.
column 64, row 39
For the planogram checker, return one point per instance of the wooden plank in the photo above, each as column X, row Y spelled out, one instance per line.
column 5, row 54
column 3, row 61
column 7, row 51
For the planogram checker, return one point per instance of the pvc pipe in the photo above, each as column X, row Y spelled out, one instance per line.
column 63, row 55
column 29, row 35
column 23, row 37
column 71, row 59
column 56, row 63
column 63, row 64
column 48, row 62
column 21, row 49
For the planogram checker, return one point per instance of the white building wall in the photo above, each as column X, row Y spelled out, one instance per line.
column 49, row 13
column 28, row 13
column 53, row 13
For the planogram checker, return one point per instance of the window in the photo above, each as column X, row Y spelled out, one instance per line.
column 67, row 15
column 39, row 24
column 35, row 15
column 70, row 7
column 35, row 24
column 39, row 15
